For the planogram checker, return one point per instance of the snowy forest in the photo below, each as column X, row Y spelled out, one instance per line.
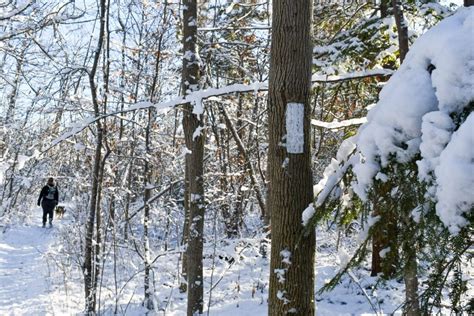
column 236, row 157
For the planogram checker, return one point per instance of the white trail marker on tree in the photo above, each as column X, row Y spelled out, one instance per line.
column 294, row 128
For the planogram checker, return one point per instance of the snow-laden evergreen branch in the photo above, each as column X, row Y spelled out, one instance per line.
column 425, row 110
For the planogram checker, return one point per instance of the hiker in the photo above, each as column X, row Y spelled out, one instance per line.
column 49, row 194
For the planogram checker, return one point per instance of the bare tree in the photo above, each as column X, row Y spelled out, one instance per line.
column 194, row 137
column 89, row 279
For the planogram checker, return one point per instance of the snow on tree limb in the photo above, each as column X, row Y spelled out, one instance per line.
column 197, row 97
column 455, row 178
column 234, row 28
column 316, row 78
column 337, row 124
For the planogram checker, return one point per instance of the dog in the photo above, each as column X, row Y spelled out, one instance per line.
column 60, row 210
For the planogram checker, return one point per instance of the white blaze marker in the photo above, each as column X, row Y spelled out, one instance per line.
column 294, row 128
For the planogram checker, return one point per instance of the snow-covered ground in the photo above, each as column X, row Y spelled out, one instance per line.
column 39, row 279
column 25, row 272
column 40, row 275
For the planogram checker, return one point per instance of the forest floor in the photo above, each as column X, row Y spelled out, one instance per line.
column 24, row 271
column 38, row 279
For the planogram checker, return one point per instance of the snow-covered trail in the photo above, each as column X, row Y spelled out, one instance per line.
column 24, row 271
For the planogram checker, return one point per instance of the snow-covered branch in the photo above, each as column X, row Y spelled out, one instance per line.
column 337, row 124
column 16, row 11
column 197, row 97
column 234, row 28
column 318, row 78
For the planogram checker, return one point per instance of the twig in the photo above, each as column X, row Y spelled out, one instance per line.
column 354, row 278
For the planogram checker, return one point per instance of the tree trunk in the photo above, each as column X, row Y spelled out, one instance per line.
column 13, row 94
column 384, row 6
column 222, row 142
column 183, row 287
column 289, row 167
column 128, row 196
column 192, row 123
column 99, row 239
column 383, row 235
column 377, row 240
column 402, row 29
column 376, row 264
column 412, row 307
column 89, row 289
column 148, row 302
column 409, row 201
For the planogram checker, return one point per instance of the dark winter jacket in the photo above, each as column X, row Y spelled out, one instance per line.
column 49, row 193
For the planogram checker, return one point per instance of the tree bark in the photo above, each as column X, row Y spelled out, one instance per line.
column 384, row 5
column 183, row 287
column 289, row 171
column 89, row 289
column 99, row 235
column 148, row 290
column 412, row 307
column 409, row 201
column 376, row 263
column 402, row 29
column 194, row 138
column 148, row 295
column 385, row 232
column 16, row 84
column 383, row 235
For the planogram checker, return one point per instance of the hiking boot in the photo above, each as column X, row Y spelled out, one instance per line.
column 44, row 224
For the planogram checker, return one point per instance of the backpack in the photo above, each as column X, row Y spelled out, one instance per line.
column 51, row 192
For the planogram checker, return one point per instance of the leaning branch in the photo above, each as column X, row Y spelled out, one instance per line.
column 351, row 76
column 153, row 199
column 234, row 28
column 196, row 98
column 244, row 152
